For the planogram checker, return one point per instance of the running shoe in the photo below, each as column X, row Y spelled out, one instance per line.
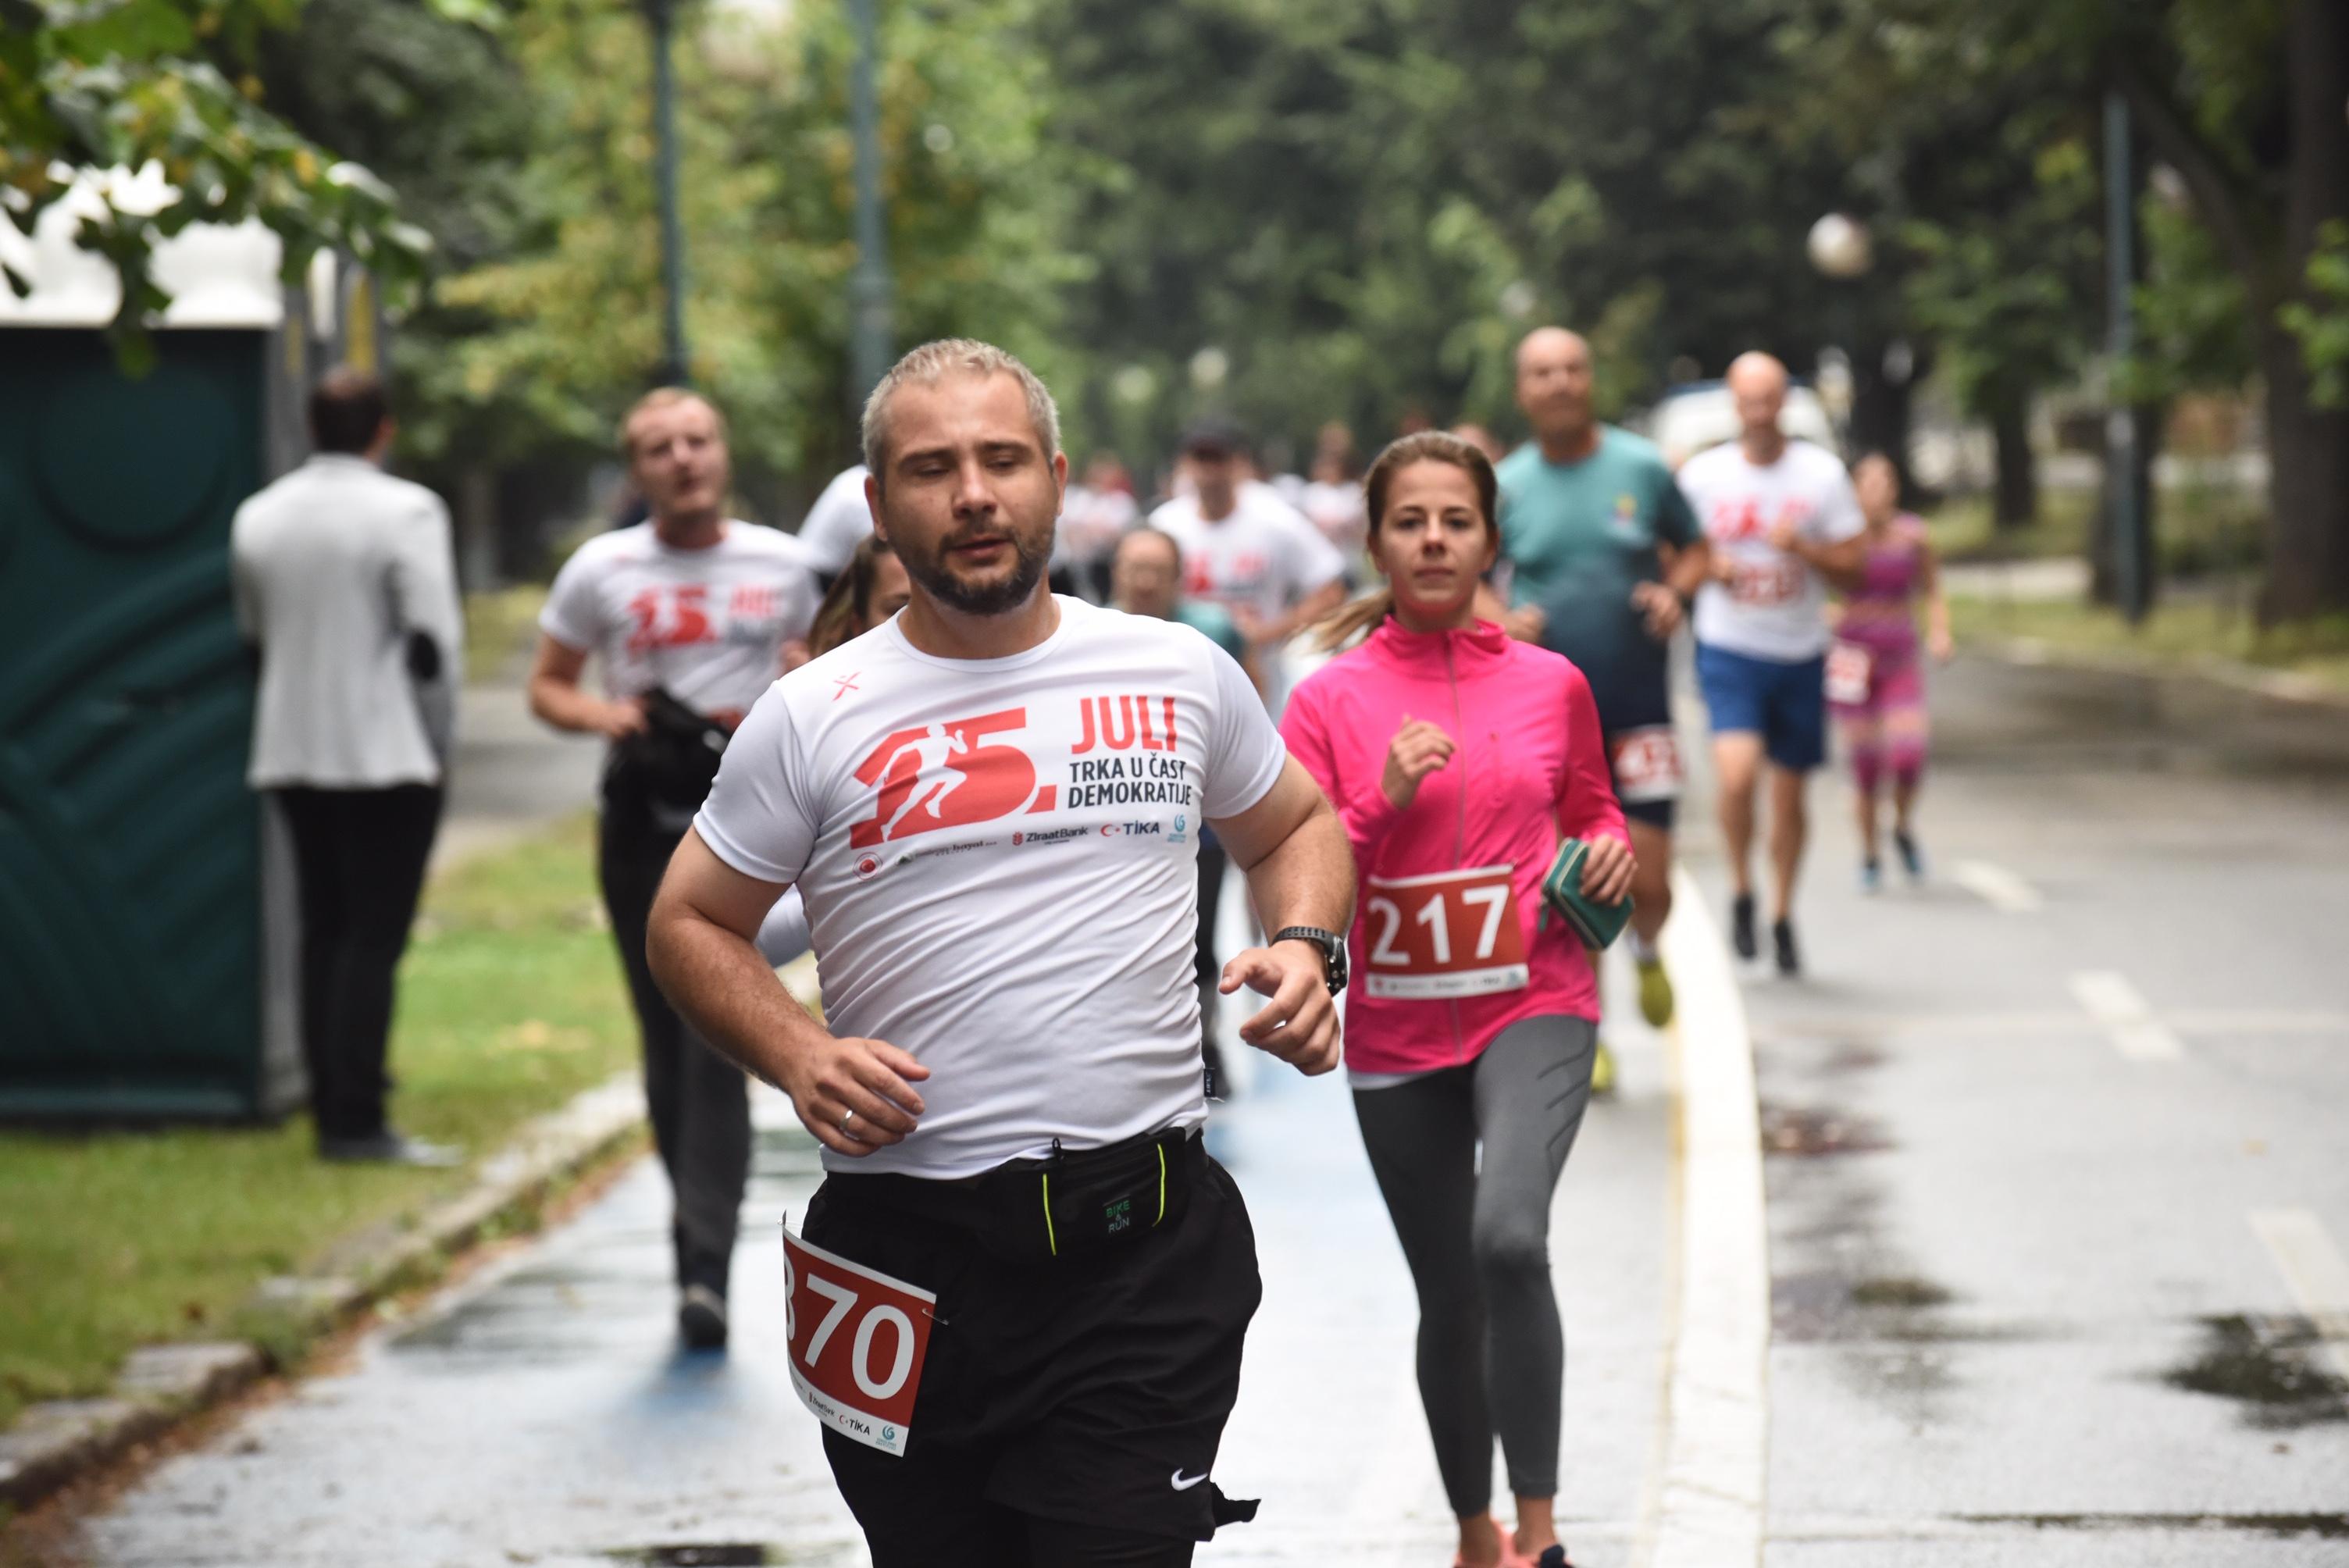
column 1871, row 876
column 1655, row 993
column 1781, row 937
column 1911, row 858
column 1741, row 925
column 1553, row 1557
column 702, row 1318
column 1602, row 1070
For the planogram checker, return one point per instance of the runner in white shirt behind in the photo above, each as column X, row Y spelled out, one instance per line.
column 837, row 523
column 1249, row 551
column 990, row 805
column 1782, row 520
column 1097, row 513
column 692, row 614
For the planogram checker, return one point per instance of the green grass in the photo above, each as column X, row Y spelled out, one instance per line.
column 1962, row 529
column 501, row 630
column 2179, row 634
column 2198, row 530
column 511, row 1002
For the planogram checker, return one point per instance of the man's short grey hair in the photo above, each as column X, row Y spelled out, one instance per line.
column 933, row 363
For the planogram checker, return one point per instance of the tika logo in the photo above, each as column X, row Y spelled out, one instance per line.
column 947, row 775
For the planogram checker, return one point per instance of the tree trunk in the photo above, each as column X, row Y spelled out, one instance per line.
column 1880, row 410
column 2308, row 447
column 477, row 529
column 2017, row 494
column 2308, row 492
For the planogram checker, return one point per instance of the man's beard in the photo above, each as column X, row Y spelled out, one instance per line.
column 1031, row 557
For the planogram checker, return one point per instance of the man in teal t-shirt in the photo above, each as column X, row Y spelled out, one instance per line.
column 1605, row 553
column 1145, row 578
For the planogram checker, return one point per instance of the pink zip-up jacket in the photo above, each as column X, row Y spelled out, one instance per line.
column 1530, row 768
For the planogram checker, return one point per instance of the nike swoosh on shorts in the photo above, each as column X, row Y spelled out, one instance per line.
column 1183, row 1484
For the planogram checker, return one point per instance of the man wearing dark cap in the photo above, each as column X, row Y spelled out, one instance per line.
column 1245, row 548
column 347, row 583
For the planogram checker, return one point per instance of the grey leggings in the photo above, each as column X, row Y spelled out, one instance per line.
column 1492, row 1356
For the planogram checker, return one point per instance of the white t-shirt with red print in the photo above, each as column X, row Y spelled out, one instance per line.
column 707, row 624
column 1774, row 605
column 1262, row 558
column 998, row 859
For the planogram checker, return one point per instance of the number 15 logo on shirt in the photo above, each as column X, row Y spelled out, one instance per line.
column 1451, row 933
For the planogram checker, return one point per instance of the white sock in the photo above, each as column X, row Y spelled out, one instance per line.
column 1642, row 950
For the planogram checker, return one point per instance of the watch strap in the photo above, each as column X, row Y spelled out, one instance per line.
column 1332, row 948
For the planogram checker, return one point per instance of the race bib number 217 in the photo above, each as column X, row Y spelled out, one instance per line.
column 857, row 1338
column 1442, row 936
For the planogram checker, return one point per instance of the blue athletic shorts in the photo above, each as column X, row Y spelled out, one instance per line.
column 1786, row 704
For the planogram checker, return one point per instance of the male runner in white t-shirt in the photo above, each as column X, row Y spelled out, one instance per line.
column 1023, row 955
column 1249, row 551
column 1782, row 521
column 691, row 614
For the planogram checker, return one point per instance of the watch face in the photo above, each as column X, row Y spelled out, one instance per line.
column 1333, row 959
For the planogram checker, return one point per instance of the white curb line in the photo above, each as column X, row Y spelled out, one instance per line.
column 1717, row 1450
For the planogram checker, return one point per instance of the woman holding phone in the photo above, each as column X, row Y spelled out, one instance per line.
column 1458, row 758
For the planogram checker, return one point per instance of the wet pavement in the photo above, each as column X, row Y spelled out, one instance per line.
column 541, row 1414
column 2052, row 1171
column 2023, row 1307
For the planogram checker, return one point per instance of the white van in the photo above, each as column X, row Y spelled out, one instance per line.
column 1701, row 414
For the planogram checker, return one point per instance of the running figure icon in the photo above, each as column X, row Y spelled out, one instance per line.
column 930, row 755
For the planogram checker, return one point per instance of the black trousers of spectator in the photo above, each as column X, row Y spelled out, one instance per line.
column 358, row 863
column 699, row 1102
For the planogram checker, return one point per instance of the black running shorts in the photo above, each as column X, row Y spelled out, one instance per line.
column 1088, row 1390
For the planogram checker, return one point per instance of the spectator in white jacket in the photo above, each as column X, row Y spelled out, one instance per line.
column 346, row 582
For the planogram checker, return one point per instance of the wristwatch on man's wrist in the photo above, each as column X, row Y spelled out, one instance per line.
column 1333, row 952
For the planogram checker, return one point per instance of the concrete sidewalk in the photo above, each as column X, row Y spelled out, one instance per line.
column 512, row 775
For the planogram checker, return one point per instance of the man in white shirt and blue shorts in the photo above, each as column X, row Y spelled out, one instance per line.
column 1782, row 522
column 1019, row 1297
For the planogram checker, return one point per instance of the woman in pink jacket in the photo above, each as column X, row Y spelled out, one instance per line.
column 1457, row 758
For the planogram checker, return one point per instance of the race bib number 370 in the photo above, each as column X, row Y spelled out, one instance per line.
column 857, row 1338
column 1452, row 934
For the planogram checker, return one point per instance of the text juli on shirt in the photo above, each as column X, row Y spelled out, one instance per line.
column 997, row 858
column 707, row 624
column 1774, row 605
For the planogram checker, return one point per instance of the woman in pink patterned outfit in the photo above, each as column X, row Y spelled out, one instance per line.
column 1875, row 677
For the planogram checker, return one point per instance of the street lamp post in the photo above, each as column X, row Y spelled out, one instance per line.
column 869, row 350
column 2125, row 474
column 674, row 370
column 1840, row 251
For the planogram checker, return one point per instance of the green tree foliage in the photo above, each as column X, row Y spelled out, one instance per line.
column 2320, row 319
column 548, row 339
column 124, row 84
column 1364, row 206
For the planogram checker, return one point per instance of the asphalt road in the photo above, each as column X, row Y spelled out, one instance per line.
column 2057, row 1185
column 2056, row 1199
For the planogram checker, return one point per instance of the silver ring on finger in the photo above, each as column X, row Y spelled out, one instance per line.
column 848, row 1116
